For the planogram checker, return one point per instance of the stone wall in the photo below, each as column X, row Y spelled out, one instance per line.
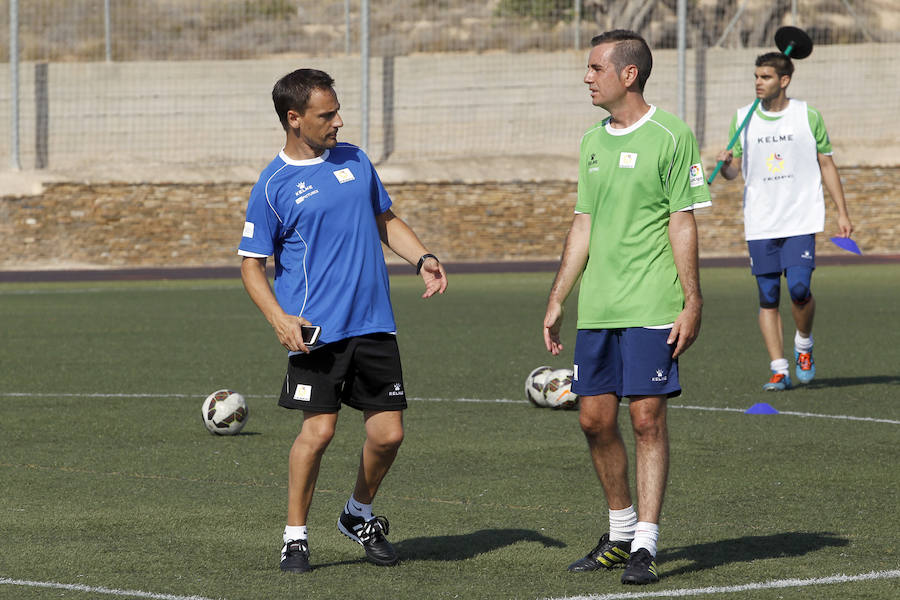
column 71, row 225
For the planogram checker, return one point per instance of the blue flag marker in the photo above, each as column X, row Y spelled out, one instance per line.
column 761, row 408
column 846, row 244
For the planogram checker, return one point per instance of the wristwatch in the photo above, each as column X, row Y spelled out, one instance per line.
column 422, row 261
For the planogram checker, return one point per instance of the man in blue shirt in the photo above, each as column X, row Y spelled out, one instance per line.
column 320, row 209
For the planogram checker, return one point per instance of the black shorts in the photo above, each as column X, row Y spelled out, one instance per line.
column 362, row 372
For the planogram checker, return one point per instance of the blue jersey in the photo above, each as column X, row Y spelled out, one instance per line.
column 317, row 217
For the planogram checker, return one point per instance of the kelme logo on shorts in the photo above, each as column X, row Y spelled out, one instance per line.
column 660, row 377
column 397, row 391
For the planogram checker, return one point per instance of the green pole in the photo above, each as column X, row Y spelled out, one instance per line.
column 737, row 133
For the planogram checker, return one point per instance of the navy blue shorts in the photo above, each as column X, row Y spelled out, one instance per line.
column 776, row 255
column 634, row 361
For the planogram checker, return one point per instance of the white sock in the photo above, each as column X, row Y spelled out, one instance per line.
column 802, row 344
column 295, row 532
column 779, row 365
column 621, row 524
column 358, row 509
column 645, row 536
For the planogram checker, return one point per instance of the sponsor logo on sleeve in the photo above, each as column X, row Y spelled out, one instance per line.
column 696, row 174
column 248, row 229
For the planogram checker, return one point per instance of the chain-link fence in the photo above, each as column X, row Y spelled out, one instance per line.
column 115, row 87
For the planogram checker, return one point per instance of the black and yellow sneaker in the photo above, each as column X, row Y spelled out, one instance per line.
column 640, row 568
column 295, row 557
column 606, row 555
column 370, row 535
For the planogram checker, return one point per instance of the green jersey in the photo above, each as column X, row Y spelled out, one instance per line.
column 629, row 181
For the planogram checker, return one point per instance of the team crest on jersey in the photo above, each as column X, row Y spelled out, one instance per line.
column 344, row 175
column 627, row 160
column 696, row 175
column 248, row 229
column 775, row 162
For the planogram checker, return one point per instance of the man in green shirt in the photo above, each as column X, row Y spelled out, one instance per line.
column 633, row 243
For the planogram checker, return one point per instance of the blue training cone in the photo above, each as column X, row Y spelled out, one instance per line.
column 761, row 408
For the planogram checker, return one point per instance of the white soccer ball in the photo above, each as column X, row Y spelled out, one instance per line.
column 225, row 412
column 558, row 390
column 534, row 385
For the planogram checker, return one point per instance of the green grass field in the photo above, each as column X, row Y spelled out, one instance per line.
column 112, row 488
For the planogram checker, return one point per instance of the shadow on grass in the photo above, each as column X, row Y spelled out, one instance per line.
column 837, row 382
column 460, row 547
column 746, row 549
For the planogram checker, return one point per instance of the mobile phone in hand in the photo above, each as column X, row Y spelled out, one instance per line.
column 310, row 334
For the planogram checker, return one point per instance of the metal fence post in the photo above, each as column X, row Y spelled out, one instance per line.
column 14, row 84
column 682, row 62
column 577, row 24
column 364, row 91
column 107, row 17
column 346, row 26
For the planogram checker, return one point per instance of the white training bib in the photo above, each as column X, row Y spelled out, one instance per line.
column 783, row 193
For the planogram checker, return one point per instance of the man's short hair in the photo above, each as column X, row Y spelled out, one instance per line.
column 782, row 64
column 292, row 91
column 630, row 49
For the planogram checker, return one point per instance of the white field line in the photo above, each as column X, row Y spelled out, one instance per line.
column 464, row 400
column 97, row 590
column 747, row 587
column 793, row 413
column 682, row 593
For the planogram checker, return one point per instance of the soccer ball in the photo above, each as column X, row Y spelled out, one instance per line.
column 534, row 385
column 558, row 390
column 225, row 412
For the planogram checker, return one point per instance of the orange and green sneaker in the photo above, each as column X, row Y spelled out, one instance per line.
column 806, row 366
column 778, row 382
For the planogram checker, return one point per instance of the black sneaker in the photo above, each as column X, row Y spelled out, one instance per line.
column 370, row 535
column 640, row 568
column 295, row 557
column 606, row 555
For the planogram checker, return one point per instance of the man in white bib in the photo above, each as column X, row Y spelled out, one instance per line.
column 785, row 159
